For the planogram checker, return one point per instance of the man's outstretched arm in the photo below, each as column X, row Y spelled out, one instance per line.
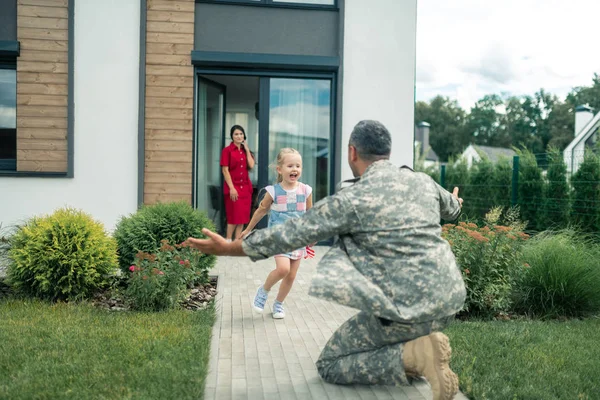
column 329, row 217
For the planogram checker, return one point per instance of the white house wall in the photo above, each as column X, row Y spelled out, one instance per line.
column 106, row 50
column 379, row 72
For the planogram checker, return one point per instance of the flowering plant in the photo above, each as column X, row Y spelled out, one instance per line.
column 161, row 280
column 489, row 258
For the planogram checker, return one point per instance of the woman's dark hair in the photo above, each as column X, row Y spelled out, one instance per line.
column 234, row 128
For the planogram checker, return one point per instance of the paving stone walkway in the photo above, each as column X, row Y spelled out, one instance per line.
column 254, row 356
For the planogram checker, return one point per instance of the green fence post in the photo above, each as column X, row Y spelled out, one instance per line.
column 515, row 182
column 443, row 176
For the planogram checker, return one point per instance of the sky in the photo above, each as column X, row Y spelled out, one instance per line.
column 469, row 48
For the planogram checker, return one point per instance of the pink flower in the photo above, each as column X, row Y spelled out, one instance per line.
column 132, row 268
column 181, row 262
column 161, row 273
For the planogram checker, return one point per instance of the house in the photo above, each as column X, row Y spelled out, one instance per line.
column 425, row 152
column 475, row 153
column 587, row 128
column 107, row 105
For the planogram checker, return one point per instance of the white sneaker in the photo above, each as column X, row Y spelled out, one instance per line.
column 260, row 299
column 278, row 312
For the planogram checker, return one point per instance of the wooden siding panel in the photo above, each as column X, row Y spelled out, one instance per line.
column 41, row 33
column 168, row 134
column 160, row 177
column 169, row 113
column 41, row 166
column 41, row 23
column 169, row 101
column 40, row 155
column 170, row 16
column 41, row 133
column 44, row 3
column 159, row 91
column 44, row 45
column 45, row 12
column 41, row 144
column 162, row 37
column 43, row 88
column 169, row 188
column 44, row 56
column 169, row 5
column 32, row 122
column 157, row 166
column 42, row 77
column 167, row 145
column 153, row 198
column 42, row 85
column 42, row 111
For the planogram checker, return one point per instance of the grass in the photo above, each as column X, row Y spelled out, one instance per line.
column 527, row 359
column 76, row 351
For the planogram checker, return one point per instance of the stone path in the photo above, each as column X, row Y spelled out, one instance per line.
column 254, row 356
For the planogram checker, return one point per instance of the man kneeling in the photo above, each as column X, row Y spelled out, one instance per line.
column 389, row 261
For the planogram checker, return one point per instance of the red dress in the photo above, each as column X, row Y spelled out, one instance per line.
column 237, row 212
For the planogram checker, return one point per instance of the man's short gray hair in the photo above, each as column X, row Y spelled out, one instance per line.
column 372, row 140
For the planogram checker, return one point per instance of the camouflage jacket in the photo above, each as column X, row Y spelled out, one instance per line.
column 389, row 257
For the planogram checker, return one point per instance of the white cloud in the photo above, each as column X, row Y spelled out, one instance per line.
column 469, row 48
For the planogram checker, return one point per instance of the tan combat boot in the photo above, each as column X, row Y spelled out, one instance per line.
column 429, row 356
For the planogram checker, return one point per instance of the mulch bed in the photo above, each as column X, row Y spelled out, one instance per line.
column 198, row 299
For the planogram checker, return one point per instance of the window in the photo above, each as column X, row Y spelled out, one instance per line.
column 8, row 116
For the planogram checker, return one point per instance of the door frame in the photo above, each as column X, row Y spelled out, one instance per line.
column 263, row 127
column 195, row 145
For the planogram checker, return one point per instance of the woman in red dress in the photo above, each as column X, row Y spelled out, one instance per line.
column 236, row 161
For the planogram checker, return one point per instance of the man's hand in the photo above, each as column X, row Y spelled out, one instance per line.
column 216, row 244
column 455, row 194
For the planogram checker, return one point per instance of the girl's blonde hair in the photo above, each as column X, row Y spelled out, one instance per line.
column 282, row 153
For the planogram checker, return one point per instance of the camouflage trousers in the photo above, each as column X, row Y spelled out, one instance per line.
column 368, row 350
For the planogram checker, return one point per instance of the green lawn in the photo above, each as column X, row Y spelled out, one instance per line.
column 531, row 360
column 76, row 351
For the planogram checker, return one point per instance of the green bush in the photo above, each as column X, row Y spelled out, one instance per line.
column 502, row 182
column 586, row 191
column 489, row 258
column 556, row 202
column 531, row 188
column 161, row 281
column 64, row 256
column 562, row 278
column 482, row 187
column 144, row 231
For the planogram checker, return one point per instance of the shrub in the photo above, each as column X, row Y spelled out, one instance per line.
column 531, row 188
column 64, row 256
column 144, row 231
column 489, row 259
column 562, row 276
column 502, row 182
column 556, row 203
column 481, row 181
column 586, row 190
column 160, row 281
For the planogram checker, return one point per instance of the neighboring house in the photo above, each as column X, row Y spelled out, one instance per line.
column 587, row 128
column 425, row 152
column 475, row 153
column 107, row 105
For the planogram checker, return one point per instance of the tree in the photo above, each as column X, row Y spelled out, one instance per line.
column 561, row 125
column 481, row 178
column 589, row 95
column 483, row 122
column 447, row 135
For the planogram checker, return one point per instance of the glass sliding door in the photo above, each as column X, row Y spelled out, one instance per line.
column 209, row 143
column 300, row 117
